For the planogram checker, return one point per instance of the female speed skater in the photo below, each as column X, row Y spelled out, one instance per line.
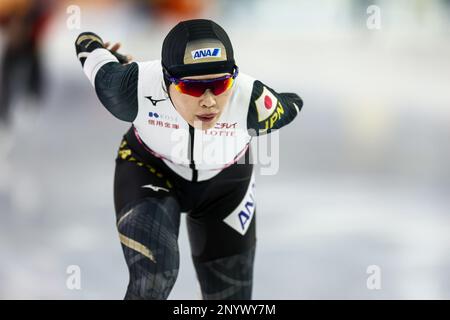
column 193, row 114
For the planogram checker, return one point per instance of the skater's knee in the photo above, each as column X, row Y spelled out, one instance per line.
column 152, row 278
column 227, row 278
column 152, row 285
column 151, row 223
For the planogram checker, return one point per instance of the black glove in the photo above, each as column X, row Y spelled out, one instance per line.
column 88, row 42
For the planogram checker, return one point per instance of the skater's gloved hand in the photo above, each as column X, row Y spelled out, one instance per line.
column 89, row 41
column 123, row 59
column 292, row 98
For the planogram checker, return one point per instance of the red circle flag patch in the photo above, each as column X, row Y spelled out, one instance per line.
column 266, row 104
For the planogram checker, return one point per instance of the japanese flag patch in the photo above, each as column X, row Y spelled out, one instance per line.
column 266, row 104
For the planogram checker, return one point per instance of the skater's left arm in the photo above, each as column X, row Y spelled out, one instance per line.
column 270, row 110
column 113, row 77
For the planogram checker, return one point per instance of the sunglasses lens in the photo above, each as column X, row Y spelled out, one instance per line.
column 220, row 86
column 197, row 89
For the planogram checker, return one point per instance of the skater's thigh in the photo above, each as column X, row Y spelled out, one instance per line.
column 135, row 181
column 226, row 225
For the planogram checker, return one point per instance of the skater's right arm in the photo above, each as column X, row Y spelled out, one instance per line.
column 114, row 83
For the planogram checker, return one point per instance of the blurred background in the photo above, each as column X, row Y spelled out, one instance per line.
column 364, row 174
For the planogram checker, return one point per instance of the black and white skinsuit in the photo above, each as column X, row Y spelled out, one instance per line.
column 165, row 167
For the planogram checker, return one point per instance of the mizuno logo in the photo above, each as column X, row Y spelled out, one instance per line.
column 155, row 188
column 206, row 53
column 154, row 102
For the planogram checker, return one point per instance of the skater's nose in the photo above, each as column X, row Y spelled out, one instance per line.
column 207, row 100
